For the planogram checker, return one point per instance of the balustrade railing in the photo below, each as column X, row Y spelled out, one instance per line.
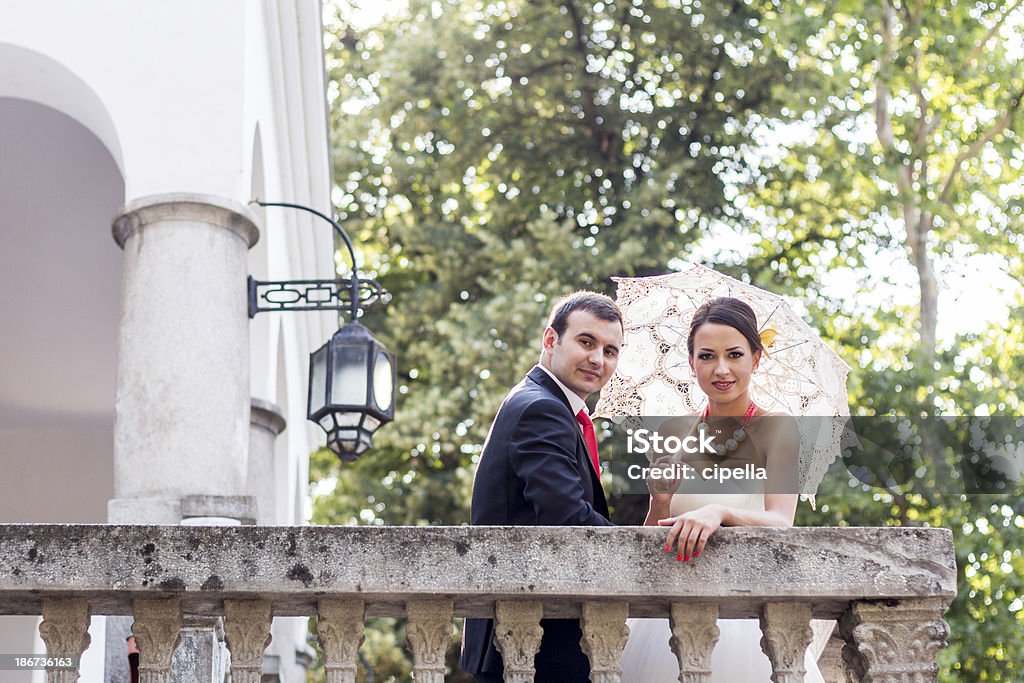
column 887, row 587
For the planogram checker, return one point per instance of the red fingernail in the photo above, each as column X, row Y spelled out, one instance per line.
column 697, row 554
column 686, row 559
column 679, row 557
column 668, row 548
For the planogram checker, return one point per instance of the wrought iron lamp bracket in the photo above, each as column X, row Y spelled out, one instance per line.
column 313, row 295
column 353, row 293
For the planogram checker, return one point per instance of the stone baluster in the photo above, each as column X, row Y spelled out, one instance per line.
column 894, row 642
column 157, row 631
column 65, row 630
column 517, row 633
column 429, row 632
column 786, row 635
column 694, row 634
column 247, row 632
column 604, row 637
column 340, row 631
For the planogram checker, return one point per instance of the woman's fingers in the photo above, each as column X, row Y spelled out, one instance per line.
column 673, row 533
column 701, row 542
column 686, row 535
column 696, row 540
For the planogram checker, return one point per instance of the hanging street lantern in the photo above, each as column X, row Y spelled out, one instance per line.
column 351, row 389
column 352, row 376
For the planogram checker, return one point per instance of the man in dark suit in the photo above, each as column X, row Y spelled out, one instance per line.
column 539, row 466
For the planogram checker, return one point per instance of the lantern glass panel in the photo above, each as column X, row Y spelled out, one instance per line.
column 318, row 380
column 348, row 384
column 383, row 385
column 348, row 419
column 327, row 422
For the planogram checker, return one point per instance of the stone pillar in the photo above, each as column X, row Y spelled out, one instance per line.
column 265, row 423
column 694, row 634
column 200, row 656
column 182, row 406
column 65, row 630
column 786, row 629
column 247, row 629
column 339, row 628
column 157, row 630
column 894, row 641
column 517, row 632
column 116, row 652
column 604, row 637
column 429, row 632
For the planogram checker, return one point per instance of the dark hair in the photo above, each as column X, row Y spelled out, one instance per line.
column 725, row 310
column 598, row 305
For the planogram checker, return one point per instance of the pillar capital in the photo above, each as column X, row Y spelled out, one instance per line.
column 187, row 207
column 267, row 415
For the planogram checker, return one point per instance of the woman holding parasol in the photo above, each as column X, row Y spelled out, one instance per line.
column 724, row 348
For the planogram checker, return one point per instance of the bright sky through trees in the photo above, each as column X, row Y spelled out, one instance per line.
column 975, row 289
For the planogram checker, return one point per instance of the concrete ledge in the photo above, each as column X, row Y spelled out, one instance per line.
column 562, row 566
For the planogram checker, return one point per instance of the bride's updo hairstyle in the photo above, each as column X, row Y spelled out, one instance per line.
column 726, row 310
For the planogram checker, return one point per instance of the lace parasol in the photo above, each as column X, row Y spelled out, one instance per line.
column 799, row 374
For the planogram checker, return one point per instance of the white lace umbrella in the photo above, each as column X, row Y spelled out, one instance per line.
column 799, row 374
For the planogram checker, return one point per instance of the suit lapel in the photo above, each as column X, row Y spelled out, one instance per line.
column 542, row 378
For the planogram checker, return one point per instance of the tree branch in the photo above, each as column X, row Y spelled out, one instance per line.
column 980, row 47
column 883, row 120
column 601, row 138
column 972, row 151
column 537, row 69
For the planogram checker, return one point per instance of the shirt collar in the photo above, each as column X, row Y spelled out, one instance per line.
column 576, row 404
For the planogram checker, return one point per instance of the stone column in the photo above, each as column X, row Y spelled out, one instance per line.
column 157, row 630
column 429, row 632
column 265, row 423
column 182, row 406
column 694, row 634
column 604, row 637
column 339, row 628
column 200, row 656
column 65, row 630
column 895, row 641
column 786, row 629
column 247, row 629
column 517, row 632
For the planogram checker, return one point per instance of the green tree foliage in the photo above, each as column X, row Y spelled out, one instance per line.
column 491, row 156
column 504, row 154
column 911, row 145
column 910, row 159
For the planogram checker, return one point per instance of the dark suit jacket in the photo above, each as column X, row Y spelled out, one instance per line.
column 535, row 470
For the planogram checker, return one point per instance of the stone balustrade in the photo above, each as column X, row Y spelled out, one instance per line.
column 887, row 587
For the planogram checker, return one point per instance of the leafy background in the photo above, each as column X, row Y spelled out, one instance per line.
column 863, row 158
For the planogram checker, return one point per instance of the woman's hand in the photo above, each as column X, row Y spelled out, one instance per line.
column 691, row 530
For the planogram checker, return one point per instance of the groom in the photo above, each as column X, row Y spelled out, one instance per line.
column 539, row 466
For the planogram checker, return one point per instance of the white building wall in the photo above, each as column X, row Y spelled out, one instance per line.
column 181, row 93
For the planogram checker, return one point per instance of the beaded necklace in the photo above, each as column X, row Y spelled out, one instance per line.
column 738, row 436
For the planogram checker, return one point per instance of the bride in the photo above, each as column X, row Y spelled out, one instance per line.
column 724, row 349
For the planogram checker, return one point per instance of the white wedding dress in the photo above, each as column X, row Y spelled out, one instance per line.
column 737, row 657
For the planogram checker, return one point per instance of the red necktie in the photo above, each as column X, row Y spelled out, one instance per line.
column 590, row 438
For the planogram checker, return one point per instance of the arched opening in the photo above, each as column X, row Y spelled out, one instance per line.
column 61, row 183
column 60, row 279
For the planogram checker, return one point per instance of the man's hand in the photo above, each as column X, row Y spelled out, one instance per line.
column 662, row 488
